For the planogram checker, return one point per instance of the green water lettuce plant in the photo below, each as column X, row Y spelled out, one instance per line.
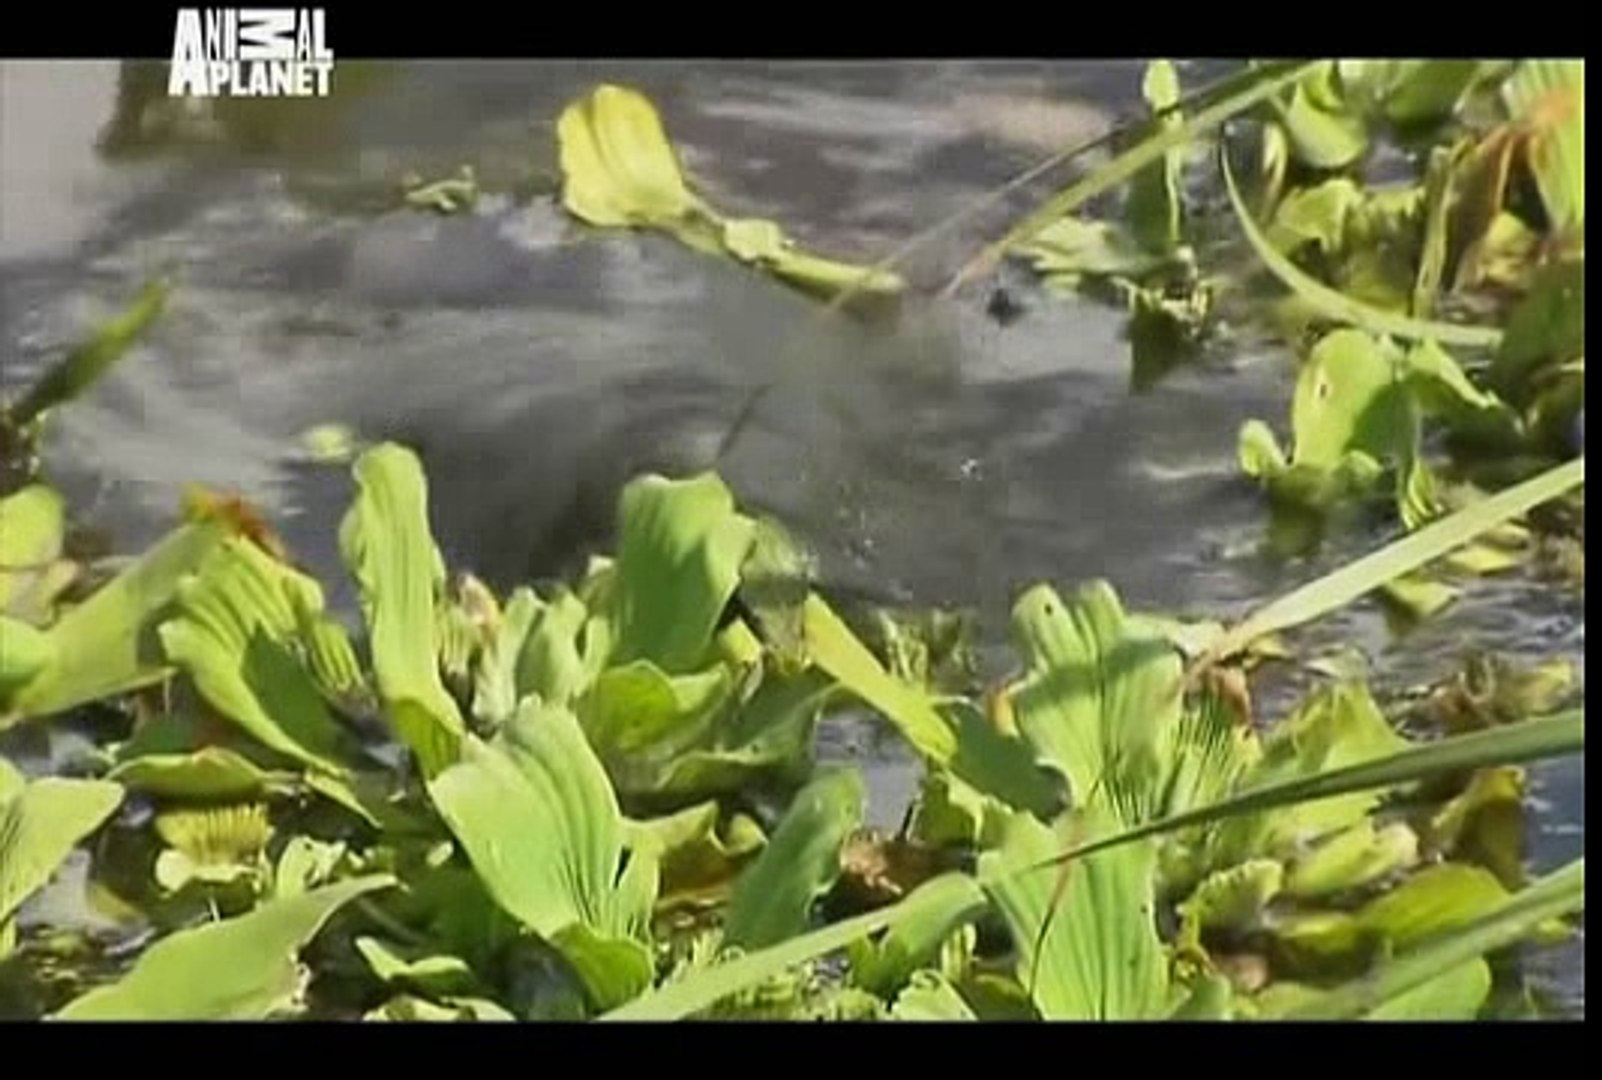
column 620, row 171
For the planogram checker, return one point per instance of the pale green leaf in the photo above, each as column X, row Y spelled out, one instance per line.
column 681, row 547
column 773, row 897
column 1324, row 133
column 885, row 966
column 495, row 685
column 1315, row 215
column 231, row 636
column 539, row 822
column 930, row 997
column 834, row 649
column 430, row 973
column 1351, row 859
column 24, row 653
column 213, row 772
column 244, row 968
column 1458, row 994
column 1101, row 958
column 551, row 662
column 32, row 529
column 1094, row 698
column 386, row 545
column 1231, row 900
column 1153, row 209
column 108, row 644
column 1549, row 96
column 39, row 827
column 618, row 167
column 1558, row 894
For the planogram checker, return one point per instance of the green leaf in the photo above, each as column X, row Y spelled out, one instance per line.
column 618, row 168
column 1425, row 90
column 1546, row 327
column 551, row 662
column 885, row 967
column 32, row 529
column 773, row 898
column 1338, row 726
column 108, row 645
column 1315, row 215
column 1212, row 998
column 1485, row 823
column 930, row 997
column 386, row 544
column 242, row 968
column 1446, row 391
column 1331, row 304
column 1351, row 859
column 833, row 648
column 764, row 245
column 1101, row 958
column 1323, row 132
column 1549, row 96
column 1458, row 993
column 1231, row 900
column 24, row 653
column 1355, row 579
column 1558, row 894
column 1414, row 598
column 1071, row 248
column 40, row 823
column 429, row 973
column 495, row 680
column 87, row 362
column 211, row 773
column 620, row 171
column 231, row 636
column 642, row 722
column 697, row 850
column 679, row 556
column 1094, row 698
column 1154, row 210
column 768, row 739
column 539, row 822
column 1260, row 454
column 1349, row 398
column 1002, row 766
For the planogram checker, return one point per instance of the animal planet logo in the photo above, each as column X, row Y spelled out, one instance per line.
column 251, row 52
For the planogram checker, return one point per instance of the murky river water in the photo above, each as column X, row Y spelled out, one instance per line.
column 942, row 458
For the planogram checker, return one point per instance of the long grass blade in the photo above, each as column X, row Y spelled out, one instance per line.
column 1261, row 84
column 1533, row 740
column 1339, row 306
column 706, row 988
column 1333, row 591
column 87, row 362
column 1222, row 88
column 1560, row 893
